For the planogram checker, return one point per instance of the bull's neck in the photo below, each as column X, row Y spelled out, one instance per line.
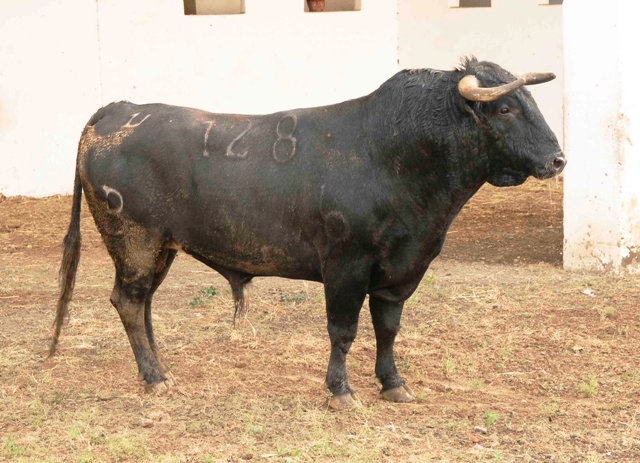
column 418, row 130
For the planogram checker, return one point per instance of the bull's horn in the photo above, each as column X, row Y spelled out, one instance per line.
column 469, row 88
column 533, row 78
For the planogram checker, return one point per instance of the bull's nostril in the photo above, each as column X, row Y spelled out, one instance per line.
column 558, row 163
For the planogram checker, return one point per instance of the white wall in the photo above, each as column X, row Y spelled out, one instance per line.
column 57, row 71
column 273, row 57
column 49, row 86
column 602, row 129
column 519, row 35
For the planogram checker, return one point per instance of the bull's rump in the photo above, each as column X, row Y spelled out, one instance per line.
column 233, row 189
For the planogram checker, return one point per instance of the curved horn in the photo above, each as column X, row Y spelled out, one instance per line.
column 533, row 78
column 469, row 88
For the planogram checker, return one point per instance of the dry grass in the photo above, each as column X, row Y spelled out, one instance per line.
column 551, row 373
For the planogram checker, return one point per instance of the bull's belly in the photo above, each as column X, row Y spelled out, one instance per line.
column 254, row 256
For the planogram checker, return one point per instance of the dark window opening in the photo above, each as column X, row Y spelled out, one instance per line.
column 470, row 4
column 326, row 6
column 209, row 7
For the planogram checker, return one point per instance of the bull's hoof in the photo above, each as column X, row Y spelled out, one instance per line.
column 171, row 380
column 400, row 394
column 158, row 388
column 343, row 401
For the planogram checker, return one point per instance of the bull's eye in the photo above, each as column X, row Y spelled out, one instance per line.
column 504, row 110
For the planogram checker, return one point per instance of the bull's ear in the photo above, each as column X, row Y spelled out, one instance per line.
column 534, row 78
column 469, row 87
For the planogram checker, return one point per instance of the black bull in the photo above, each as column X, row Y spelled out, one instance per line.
column 357, row 195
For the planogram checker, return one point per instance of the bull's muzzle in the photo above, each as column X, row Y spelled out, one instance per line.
column 553, row 167
column 557, row 165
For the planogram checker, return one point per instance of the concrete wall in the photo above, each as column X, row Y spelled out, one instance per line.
column 274, row 57
column 602, row 186
column 520, row 35
column 49, row 86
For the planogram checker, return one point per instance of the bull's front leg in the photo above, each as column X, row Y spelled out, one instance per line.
column 386, row 323
column 344, row 302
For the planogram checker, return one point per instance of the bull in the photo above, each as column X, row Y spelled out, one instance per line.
column 358, row 196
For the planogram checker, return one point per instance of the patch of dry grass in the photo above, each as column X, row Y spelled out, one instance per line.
column 257, row 390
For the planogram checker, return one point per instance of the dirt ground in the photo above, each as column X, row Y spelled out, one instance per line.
column 511, row 357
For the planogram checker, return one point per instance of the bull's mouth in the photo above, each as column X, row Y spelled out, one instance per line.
column 545, row 175
column 512, row 177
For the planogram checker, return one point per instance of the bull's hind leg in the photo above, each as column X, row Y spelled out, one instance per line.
column 136, row 255
column 163, row 263
column 386, row 323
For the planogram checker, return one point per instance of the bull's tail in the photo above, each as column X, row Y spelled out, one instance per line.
column 70, row 259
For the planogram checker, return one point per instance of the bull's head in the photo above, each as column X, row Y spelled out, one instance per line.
column 519, row 141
